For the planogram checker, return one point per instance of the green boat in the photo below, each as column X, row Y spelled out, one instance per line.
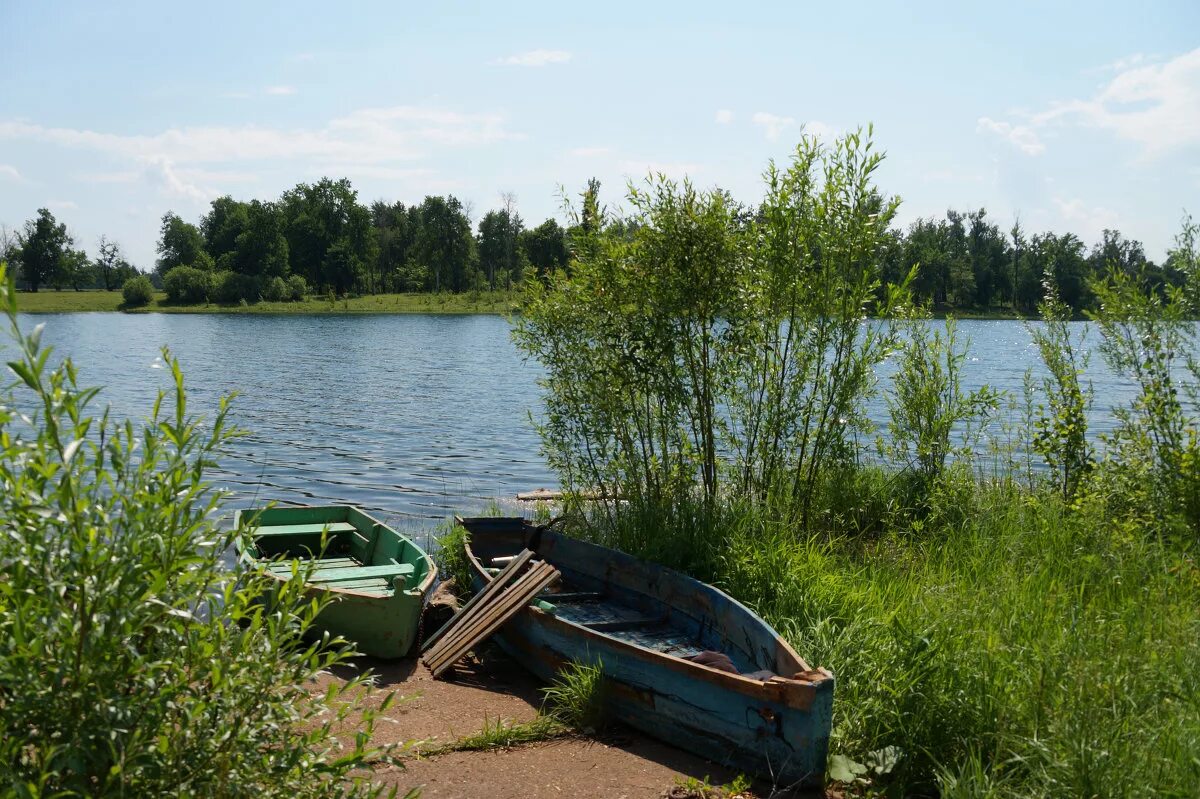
column 379, row 580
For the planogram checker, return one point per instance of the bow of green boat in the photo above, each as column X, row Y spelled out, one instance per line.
column 378, row 580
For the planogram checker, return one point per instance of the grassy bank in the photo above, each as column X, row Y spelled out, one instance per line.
column 1003, row 645
column 487, row 302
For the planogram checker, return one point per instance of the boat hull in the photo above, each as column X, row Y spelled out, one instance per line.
column 377, row 582
column 776, row 729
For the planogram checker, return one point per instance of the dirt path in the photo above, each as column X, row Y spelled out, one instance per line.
column 436, row 712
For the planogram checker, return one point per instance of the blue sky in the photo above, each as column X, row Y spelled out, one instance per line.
column 1075, row 117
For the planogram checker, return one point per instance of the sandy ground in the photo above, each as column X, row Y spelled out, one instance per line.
column 620, row 764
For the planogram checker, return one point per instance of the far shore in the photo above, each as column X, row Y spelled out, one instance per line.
column 470, row 302
column 481, row 302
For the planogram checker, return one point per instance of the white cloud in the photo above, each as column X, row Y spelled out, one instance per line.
column 589, row 152
column 1154, row 105
column 1023, row 137
column 120, row 176
column 821, row 131
column 772, row 124
column 8, row 172
column 1088, row 221
column 161, row 172
column 374, row 171
column 535, row 58
column 724, row 116
column 366, row 136
column 62, row 205
column 280, row 90
column 1121, row 64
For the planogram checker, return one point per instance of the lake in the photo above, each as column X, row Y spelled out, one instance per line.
column 413, row 417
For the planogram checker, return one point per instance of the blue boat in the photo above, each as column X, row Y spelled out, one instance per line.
column 757, row 708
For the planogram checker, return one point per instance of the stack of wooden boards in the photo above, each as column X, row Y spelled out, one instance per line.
column 504, row 597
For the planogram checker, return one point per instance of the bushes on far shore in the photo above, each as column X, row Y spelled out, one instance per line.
column 137, row 292
column 188, row 285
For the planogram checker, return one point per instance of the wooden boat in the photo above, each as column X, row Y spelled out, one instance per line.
column 643, row 624
column 379, row 579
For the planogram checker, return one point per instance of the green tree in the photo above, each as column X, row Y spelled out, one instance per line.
column 499, row 255
column 546, row 248
column 43, row 246
column 444, row 244
column 74, row 270
column 111, row 267
column 395, row 231
column 261, row 249
column 226, row 220
column 318, row 218
column 988, row 250
column 180, row 244
column 134, row 661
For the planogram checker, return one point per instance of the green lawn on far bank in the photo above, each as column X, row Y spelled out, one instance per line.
column 50, row 301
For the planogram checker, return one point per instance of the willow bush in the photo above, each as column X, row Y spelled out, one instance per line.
column 702, row 345
column 133, row 660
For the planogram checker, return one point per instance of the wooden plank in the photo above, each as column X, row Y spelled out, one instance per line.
column 508, row 605
column 387, row 571
column 283, row 567
column 623, row 624
column 491, row 588
column 303, row 529
column 511, row 604
column 571, row 596
column 469, row 622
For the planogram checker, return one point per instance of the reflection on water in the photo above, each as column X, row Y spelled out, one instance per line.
column 412, row 417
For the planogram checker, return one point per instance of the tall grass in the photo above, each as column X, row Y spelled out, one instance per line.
column 1016, row 646
column 993, row 633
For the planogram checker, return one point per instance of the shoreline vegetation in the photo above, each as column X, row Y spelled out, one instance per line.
column 100, row 301
column 1015, row 624
column 1005, row 616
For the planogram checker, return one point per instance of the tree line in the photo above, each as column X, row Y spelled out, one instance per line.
column 320, row 238
column 45, row 254
column 322, row 235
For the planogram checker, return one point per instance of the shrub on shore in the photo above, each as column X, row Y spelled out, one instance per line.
column 187, row 285
column 137, row 292
column 991, row 637
column 297, row 288
column 133, row 660
column 231, row 288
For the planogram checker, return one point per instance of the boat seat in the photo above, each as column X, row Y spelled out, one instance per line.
column 571, row 596
column 386, row 571
column 623, row 624
column 303, row 529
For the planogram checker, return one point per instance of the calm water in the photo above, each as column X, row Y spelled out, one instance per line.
column 414, row 417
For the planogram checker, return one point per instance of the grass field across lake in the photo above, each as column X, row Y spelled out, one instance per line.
column 50, row 301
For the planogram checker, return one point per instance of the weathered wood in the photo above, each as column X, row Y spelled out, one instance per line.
column 303, row 529
column 387, row 571
column 624, row 624
column 777, row 728
column 512, row 606
column 467, row 623
column 489, row 617
column 498, row 582
column 571, row 596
